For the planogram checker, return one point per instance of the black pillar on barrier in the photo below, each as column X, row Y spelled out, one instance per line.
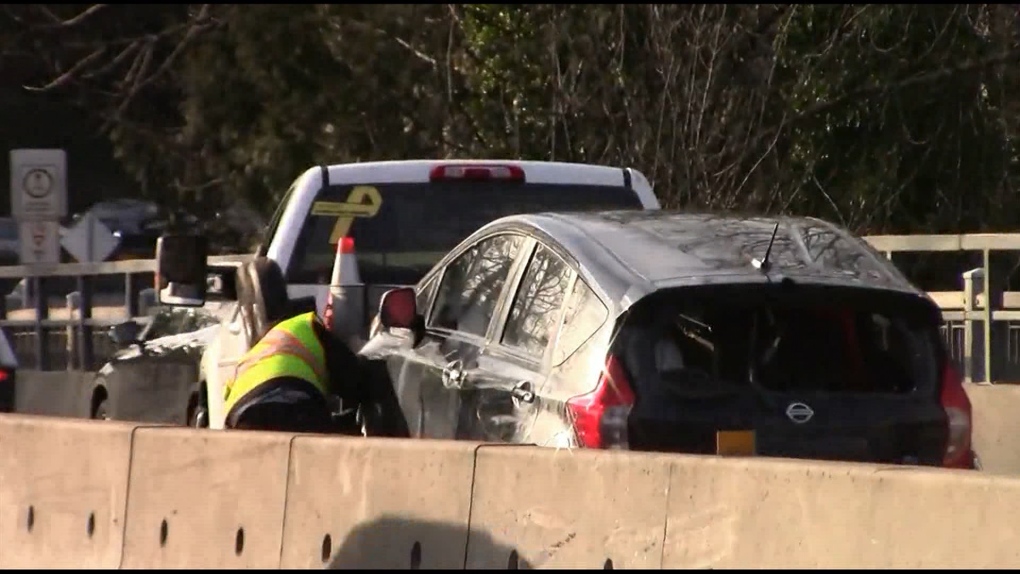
column 131, row 295
column 86, row 359
column 42, row 313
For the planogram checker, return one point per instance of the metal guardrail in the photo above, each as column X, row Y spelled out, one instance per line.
column 971, row 326
column 945, row 242
column 43, row 338
column 981, row 322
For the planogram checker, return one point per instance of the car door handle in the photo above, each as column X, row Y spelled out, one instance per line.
column 522, row 393
column 453, row 375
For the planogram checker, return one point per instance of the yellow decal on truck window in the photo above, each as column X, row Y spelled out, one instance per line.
column 363, row 201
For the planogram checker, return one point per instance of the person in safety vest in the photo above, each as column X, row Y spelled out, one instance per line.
column 285, row 382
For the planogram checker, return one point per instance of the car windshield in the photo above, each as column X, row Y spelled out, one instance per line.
column 416, row 224
column 176, row 321
column 699, row 341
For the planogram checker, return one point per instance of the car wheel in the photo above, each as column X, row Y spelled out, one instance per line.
column 100, row 413
column 198, row 414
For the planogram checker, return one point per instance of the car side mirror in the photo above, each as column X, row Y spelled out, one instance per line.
column 126, row 333
column 398, row 309
column 181, row 279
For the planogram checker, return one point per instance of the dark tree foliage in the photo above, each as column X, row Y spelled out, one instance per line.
column 886, row 118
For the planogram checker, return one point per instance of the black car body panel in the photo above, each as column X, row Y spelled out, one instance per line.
column 8, row 375
column 812, row 398
column 8, row 387
column 152, row 381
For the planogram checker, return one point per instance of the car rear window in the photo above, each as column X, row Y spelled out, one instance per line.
column 416, row 224
column 793, row 341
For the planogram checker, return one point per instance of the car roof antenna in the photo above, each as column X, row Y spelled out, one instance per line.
column 763, row 263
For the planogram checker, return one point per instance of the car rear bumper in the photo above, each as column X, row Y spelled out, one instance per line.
column 7, row 387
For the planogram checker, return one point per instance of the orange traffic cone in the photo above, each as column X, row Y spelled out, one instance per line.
column 345, row 267
column 343, row 315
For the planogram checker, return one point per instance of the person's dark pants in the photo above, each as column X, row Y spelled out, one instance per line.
column 284, row 404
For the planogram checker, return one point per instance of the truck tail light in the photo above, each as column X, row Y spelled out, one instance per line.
column 474, row 172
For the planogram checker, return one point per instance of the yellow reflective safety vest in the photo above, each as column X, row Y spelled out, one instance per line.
column 290, row 349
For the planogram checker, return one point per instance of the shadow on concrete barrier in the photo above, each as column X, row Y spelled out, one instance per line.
column 102, row 495
column 405, row 547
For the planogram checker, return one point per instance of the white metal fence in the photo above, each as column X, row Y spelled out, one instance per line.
column 56, row 327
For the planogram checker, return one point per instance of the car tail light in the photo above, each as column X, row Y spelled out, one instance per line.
column 476, row 172
column 6, row 390
column 600, row 417
column 958, row 419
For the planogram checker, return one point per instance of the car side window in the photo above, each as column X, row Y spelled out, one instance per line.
column 472, row 283
column 535, row 313
column 583, row 315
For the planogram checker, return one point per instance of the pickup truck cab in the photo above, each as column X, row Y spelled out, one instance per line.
column 402, row 217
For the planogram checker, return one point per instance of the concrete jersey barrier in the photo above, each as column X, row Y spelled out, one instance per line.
column 732, row 513
column 63, row 490
column 996, row 411
column 357, row 503
column 567, row 509
column 107, row 495
column 201, row 499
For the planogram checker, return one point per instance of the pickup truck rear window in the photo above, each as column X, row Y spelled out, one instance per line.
column 416, row 224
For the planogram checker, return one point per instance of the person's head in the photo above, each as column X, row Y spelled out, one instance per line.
column 262, row 294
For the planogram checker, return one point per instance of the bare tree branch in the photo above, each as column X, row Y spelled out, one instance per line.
column 70, row 74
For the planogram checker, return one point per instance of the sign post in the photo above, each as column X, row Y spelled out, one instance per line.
column 38, row 184
column 89, row 241
column 38, row 201
column 39, row 242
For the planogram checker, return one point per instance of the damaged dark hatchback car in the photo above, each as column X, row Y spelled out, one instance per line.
column 676, row 332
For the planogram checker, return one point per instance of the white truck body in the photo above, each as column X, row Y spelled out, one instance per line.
column 219, row 360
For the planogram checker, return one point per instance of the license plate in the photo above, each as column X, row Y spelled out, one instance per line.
column 735, row 443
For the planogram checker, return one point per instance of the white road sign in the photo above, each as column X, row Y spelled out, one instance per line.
column 40, row 242
column 38, row 184
column 88, row 240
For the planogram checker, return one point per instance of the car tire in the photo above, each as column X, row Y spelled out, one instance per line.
column 100, row 412
column 198, row 411
column 199, row 417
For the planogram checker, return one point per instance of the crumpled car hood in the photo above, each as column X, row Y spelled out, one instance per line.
column 194, row 340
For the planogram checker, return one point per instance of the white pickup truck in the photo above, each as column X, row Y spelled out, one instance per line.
column 403, row 216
